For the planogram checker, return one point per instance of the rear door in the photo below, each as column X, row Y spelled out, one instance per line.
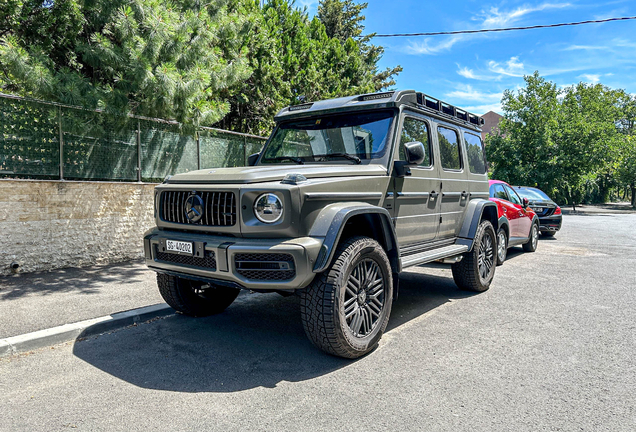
column 524, row 222
column 453, row 183
column 510, row 211
column 416, row 196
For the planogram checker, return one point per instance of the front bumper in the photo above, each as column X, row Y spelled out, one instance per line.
column 215, row 259
column 550, row 223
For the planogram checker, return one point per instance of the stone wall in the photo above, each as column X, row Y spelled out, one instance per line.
column 53, row 224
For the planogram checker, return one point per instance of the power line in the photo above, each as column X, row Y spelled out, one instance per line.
column 504, row 29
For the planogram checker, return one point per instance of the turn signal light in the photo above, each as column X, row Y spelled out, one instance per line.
column 557, row 211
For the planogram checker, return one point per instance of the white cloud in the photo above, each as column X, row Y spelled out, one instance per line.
column 512, row 67
column 466, row 73
column 591, row 78
column 483, row 109
column 425, row 47
column 495, row 18
column 468, row 93
column 584, row 48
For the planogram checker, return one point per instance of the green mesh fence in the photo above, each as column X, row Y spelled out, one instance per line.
column 99, row 146
column 165, row 151
column 29, row 139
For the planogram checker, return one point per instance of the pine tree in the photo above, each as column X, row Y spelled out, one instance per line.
column 147, row 57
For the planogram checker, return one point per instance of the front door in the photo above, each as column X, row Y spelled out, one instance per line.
column 417, row 197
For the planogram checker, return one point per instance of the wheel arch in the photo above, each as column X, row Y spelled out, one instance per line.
column 477, row 211
column 338, row 222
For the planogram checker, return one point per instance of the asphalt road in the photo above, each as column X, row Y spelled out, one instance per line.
column 550, row 347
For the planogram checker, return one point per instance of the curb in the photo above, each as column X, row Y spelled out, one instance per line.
column 64, row 333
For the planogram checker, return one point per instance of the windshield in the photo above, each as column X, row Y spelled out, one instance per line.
column 532, row 194
column 320, row 139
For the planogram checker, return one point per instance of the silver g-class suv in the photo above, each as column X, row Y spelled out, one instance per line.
column 345, row 195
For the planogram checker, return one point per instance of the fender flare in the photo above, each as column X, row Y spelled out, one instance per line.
column 475, row 212
column 330, row 224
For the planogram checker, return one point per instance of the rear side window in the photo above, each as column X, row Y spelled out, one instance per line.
column 415, row 130
column 449, row 148
column 497, row 191
column 475, row 154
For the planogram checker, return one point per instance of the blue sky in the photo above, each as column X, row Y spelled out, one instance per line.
column 472, row 71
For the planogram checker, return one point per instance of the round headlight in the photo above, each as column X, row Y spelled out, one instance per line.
column 268, row 208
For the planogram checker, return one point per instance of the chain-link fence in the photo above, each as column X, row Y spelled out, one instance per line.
column 42, row 140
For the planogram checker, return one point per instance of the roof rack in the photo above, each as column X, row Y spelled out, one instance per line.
column 448, row 109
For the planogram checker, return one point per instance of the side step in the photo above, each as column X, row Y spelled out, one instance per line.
column 433, row 255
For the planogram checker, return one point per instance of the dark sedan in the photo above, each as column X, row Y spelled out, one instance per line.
column 550, row 217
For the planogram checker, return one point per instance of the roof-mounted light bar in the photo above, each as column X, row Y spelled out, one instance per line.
column 301, row 107
column 448, row 109
column 375, row 96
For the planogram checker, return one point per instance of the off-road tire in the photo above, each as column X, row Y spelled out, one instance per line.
column 322, row 304
column 502, row 254
column 466, row 273
column 533, row 242
column 186, row 297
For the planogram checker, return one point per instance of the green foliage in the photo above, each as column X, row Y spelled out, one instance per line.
column 564, row 141
column 146, row 57
column 193, row 62
column 294, row 60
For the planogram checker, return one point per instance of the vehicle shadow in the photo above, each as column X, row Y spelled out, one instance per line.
column 257, row 342
column 86, row 280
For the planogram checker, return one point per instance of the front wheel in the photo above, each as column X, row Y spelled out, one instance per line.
column 476, row 270
column 194, row 298
column 345, row 310
column 533, row 242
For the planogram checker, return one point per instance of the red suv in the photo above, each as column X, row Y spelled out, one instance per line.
column 519, row 224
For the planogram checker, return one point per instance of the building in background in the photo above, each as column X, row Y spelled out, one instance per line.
column 491, row 124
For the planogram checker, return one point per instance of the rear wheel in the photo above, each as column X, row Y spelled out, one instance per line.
column 476, row 270
column 195, row 298
column 533, row 242
column 502, row 246
column 345, row 310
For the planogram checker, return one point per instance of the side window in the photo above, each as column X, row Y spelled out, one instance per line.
column 513, row 195
column 475, row 154
column 449, row 148
column 415, row 130
column 497, row 191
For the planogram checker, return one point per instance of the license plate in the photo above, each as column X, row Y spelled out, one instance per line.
column 179, row 246
column 538, row 209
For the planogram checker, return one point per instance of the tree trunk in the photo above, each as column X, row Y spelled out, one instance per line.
column 571, row 199
column 633, row 188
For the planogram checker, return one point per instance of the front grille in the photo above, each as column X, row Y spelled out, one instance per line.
column 219, row 208
column 207, row 262
column 265, row 266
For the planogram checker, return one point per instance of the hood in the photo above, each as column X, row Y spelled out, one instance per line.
column 258, row 174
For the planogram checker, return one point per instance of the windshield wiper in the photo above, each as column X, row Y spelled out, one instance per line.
column 353, row 158
column 298, row 160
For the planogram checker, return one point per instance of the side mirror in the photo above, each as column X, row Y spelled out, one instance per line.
column 414, row 154
column 526, row 202
column 251, row 159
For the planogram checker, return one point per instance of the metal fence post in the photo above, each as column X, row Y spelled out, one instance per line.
column 59, row 124
column 198, row 150
column 138, row 151
column 244, row 150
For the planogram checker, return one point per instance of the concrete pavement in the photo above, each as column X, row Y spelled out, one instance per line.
column 550, row 346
